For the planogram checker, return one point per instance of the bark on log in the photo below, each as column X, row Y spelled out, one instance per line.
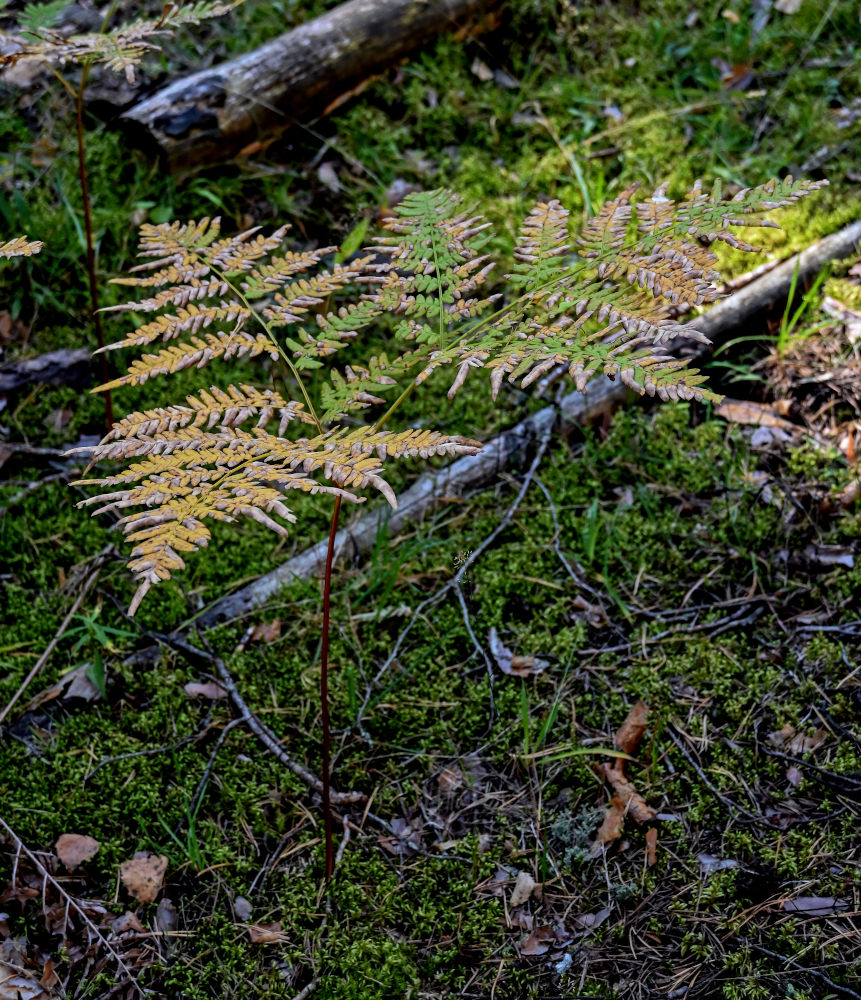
column 304, row 74
column 575, row 409
column 68, row 366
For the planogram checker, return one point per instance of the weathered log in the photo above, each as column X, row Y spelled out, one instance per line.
column 236, row 107
column 575, row 409
column 68, row 366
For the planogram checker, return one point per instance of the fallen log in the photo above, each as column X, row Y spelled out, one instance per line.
column 68, row 366
column 236, row 107
column 574, row 409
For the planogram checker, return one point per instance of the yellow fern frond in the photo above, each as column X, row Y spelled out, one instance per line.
column 20, row 247
column 197, row 352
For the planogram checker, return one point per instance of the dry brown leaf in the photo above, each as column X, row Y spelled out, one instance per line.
column 651, row 846
column 74, row 849
column 241, row 908
column 739, row 411
column 166, row 917
column 125, row 923
column 266, row 933
column 611, row 828
column 538, row 942
column 18, row 984
column 797, row 743
column 209, row 691
column 481, row 70
column 632, row 729
column 143, row 875
column 267, row 631
column 635, row 804
column 509, row 663
column 523, row 889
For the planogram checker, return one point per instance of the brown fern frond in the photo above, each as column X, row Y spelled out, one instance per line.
column 20, row 247
column 196, row 353
column 187, row 320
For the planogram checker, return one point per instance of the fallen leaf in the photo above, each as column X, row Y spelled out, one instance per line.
column 730, row 15
column 523, row 889
column 481, row 70
column 266, row 933
column 241, row 908
column 787, row 6
column 538, row 942
column 738, row 411
column 815, row 906
column 166, row 917
column 509, row 663
column 632, row 729
column 611, row 827
column 74, row 684
column 709, row 864
column 502, row 79
column 143, row 875
column 74, row 849
column 651, row 846
column 797, row 743
column 635, row 804
column 588, row 922
column 793, row 776
column 125, row 923
column 209, row 691
column 267, row 631
column 19, row 984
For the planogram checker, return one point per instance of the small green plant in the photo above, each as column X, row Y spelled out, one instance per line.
column 601, row 304
column 120, row 49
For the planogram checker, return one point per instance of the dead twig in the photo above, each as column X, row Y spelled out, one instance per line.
column 260, row 730
column 843, row 990
column 455, row 584
column 52, row 645
column 71, row 903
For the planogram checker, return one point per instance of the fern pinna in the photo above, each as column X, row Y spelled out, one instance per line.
column 601, row 304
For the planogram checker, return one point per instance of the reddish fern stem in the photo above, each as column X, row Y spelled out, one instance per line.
column 324, row 691
column 91, row 249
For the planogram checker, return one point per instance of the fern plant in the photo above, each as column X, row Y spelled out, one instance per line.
column 120, row 49
column 602, row 304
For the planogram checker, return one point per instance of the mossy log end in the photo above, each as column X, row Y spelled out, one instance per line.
column 237, row 107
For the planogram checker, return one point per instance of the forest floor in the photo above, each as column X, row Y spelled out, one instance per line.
column 703, row 566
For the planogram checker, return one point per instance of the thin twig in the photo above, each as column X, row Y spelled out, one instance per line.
column 308, row 990
column 52, row 645
column 728, row 802
column 803, row 968
column 455, row 583
column 260, row 730
column 71, row 902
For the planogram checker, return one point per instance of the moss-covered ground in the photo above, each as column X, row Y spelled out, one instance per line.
column 695, row 591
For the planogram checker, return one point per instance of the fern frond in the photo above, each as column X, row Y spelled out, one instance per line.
column 20, row 247
column 539, row 254
column 120, row 50
column 195, row 353
column 188, row 473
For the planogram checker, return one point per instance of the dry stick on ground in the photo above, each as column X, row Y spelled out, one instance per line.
column 455, row 584
column 52, row 645
column 260, row 730
column 21, row 848
column 843, row 990
column 473, row 472
column 728, row 802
